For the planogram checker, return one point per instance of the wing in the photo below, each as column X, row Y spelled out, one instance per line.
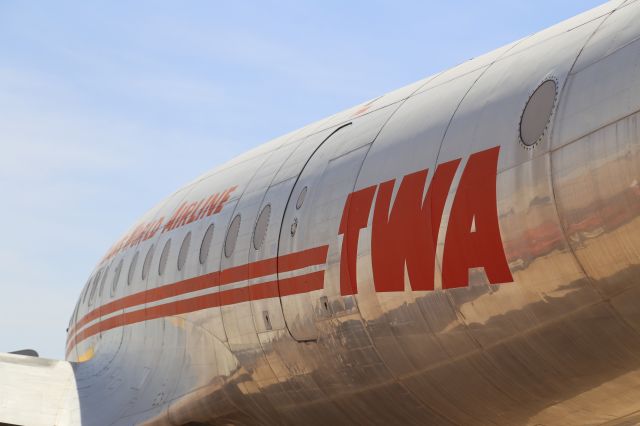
column 36, row 391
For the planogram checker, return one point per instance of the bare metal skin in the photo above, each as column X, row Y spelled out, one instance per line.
column 448, row 253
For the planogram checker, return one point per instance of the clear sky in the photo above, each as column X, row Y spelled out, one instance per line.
column 106, row 107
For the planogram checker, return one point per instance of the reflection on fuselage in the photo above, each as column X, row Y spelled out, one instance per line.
column 371, row 332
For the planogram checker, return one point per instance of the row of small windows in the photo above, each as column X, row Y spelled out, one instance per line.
column 94, row 287
column 259, row 233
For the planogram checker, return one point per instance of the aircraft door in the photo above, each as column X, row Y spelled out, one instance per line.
column 309, row 244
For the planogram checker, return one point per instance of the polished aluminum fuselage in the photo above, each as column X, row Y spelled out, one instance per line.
column 266, row 332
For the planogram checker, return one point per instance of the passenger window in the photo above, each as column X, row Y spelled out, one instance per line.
column 184, row 250
column 104, row 279
column 232, row 236
column 86, row 290
column 132, row 268
column 94, row 287
column 164, row 256
column 147, row 262
column 116, row 278
column 206, row 244
column 262, row 224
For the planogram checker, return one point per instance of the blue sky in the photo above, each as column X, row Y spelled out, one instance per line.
column 106, row 107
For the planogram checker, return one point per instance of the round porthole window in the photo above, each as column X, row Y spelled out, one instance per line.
column 261, row 227
column 132, row 268
column 232, row 236
column 163, row 257
column 537, row 113
column 184, row 250
column 206, row 244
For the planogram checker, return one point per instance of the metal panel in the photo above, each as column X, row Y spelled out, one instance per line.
column 328, row 176
column 613, row 50
column 400, row 323
column 596, row 181
column 556, row 343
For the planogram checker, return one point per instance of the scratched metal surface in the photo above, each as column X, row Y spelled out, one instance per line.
column 556, row 343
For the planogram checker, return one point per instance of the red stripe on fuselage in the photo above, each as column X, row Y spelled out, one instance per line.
column 261, row 268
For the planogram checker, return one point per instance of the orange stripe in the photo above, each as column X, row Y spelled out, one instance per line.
column 170, row 290
column 261, row 268
column 302, row 283
column 289, row 286
column 302, row 259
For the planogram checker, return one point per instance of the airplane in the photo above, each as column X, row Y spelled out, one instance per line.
column 462, row 251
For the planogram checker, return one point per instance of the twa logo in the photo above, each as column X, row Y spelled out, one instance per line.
column 405, row 232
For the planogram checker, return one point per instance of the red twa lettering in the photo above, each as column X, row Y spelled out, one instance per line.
column 408, row 234
column 404, row 234
column 354, row 217
column 468, row 246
